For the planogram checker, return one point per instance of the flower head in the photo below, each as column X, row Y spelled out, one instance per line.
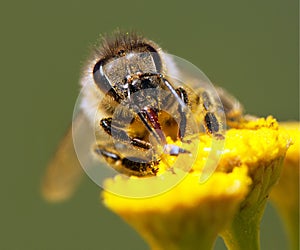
column 192, row 214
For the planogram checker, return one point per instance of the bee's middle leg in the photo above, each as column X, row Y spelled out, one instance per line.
column 117, row 130
column 211, row 121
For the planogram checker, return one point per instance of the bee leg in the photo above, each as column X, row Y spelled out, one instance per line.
column 211, row 122
column 130, row 165
column 115, row 129
column 184, row 97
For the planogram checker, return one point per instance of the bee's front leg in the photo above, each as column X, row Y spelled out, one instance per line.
column 127, row 165
column 183, row 121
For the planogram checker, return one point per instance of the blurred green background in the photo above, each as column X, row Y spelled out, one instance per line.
column 248, row 47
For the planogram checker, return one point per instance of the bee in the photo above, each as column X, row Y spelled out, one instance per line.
column 134, row 106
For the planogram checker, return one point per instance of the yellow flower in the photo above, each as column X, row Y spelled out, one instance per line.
column 192, row 214
column 285, row 194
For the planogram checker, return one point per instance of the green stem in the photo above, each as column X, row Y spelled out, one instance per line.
column 243, row 234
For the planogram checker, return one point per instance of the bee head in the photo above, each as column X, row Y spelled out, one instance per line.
column 122, row 59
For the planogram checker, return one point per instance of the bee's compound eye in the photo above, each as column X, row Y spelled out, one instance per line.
column 96, row 71
column 100, row 78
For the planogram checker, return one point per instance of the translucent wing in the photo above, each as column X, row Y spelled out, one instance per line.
column 64, row 171
column 232, row 107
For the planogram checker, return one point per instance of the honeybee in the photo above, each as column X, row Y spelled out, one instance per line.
column 133, row 101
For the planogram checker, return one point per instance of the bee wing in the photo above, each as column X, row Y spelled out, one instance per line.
column 232, row 107
column 64, row 172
